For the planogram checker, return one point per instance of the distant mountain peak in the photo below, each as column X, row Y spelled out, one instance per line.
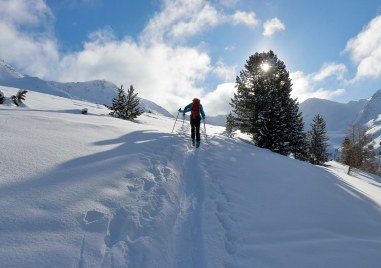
column 7, row 71
column 372, row 109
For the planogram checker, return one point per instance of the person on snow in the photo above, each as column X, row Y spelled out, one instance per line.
column 197, row 111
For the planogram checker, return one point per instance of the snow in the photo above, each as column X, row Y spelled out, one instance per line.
column 94, row 191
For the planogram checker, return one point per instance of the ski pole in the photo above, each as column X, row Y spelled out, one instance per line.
column 175, row 122
column 206, row 137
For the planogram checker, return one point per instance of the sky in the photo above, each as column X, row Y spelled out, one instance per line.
column 174, row 50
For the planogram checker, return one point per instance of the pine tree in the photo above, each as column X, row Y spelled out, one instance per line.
column 20, row 96
column 318, row 141
column 229, row 124
column 118, row 104
column 264, row 107
column 132, row 105
column 125, row 106
column 2, row 97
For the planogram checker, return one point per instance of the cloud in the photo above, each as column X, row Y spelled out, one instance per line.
column 177, row 18
column 331, row 69
column 164, row 74
column 365, row 50
column 246, row 18
column 26, row 25
column 217, row 102
column 29, row 13
column 272, row 26
column 206, row 17
column 226, row 73
column 307, row 86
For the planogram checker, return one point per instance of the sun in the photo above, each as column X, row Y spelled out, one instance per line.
column 265, row 66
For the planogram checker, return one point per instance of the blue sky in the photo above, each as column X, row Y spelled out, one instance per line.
column 174, row 50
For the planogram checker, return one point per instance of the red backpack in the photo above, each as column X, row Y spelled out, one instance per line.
column 195, row 108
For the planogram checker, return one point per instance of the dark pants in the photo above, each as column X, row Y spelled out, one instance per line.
column 195, row 128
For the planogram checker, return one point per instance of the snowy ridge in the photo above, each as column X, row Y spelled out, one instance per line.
column 94, row 191
column 8, row 72
column 97, row 91
column 371, row 110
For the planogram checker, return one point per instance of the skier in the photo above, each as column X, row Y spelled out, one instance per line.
column 195, row 107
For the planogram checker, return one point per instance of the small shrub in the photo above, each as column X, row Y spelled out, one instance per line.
column 2, row 97
column 19, row 97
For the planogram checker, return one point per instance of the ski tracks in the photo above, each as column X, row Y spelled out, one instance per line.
column 176, row 213
column 137, row 226
column 207, row 228
column 189, row 225
column 222, row 225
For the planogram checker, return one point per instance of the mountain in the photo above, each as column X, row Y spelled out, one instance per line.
column 95, row 191
column 8, row 72
column 371, row 110
column 98, row 91
column 339, row 116
column 218, row 120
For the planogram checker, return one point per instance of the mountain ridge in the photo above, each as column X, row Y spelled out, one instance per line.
column 96, row 91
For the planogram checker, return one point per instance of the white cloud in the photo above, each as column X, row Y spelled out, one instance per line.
column 159, row 72
column 331, row 69
column 181, row 19
column 208, row 16
column 173, row 13
column 272, row 26
column 22, row 42
column 306, row 86
column 217, row 102
column 24, row 12
column 247, row 18
column 224, row 72
column 365, row 50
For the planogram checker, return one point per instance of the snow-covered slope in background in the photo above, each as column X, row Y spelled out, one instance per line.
column 94, row 191
column 371, row 117
column 371, row 110
column 97, row 91
column 8, row 72
column 338, row 116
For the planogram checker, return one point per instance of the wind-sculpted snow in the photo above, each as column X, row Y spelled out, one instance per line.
column 94, row 191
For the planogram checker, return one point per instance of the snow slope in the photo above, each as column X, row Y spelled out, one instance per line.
column 93, row 191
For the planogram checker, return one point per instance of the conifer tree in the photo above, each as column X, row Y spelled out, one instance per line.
column 2, row 97
column 318, row 141
column 125, row 106
column 229, row 124
column 19, row 97
column 264, row 107
column 133, row 109
column 118, row 104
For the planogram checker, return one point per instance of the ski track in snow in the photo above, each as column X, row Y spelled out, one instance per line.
column 159, row 191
